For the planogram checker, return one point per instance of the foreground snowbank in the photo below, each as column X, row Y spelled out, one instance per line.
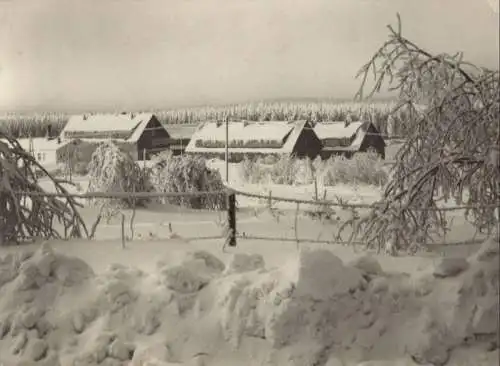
column 315, row 310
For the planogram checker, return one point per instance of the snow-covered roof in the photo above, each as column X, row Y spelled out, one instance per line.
column 39, row 144
column 126, row 123
column 336, row 130
column 180, row 131
column 331, row 131
column 213, row 131
column 282, row 132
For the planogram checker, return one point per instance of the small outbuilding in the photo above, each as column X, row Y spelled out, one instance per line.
column 341, row 138
column 254, row 139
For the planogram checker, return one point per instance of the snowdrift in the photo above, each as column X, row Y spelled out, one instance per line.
column 316, row 310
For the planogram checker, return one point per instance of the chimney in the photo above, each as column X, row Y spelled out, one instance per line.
column 348, row 120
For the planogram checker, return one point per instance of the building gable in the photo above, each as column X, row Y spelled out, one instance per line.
column 307, row 143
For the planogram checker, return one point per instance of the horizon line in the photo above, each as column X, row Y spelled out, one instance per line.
column 44, row 110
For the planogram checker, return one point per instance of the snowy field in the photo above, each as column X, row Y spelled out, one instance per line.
column 171, row 298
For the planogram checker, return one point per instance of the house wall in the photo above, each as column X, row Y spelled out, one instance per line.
column 42, row 149
column 45, row 156
column 152, row 141
column 131, row 148
column 178, row 146
column 338, row 142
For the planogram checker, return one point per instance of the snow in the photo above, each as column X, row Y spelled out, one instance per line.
column 494, row 4
column 194, row 306
column 280, row 131
column 181, row 131
column 336, row 130
column 109, row 123
column 244, row 131
column 173, row 300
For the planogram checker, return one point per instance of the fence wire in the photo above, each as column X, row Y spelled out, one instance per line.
column 157, row 220
column 169, row 221
column 323, row 230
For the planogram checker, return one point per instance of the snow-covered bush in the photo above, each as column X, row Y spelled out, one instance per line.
column 66, row 170
column 249, row 170
column 187, row 174
column 269, row 159
column 255, row 171
column 76, row 155
column 81, row 168
column 305, row 172
column 113, row 170
column 317, row 164
column 284, row 171
column 363, row 168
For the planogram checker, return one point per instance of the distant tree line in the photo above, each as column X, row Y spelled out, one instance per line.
column 382, row 115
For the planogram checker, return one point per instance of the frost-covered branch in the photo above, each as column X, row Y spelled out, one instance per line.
column 452, row 145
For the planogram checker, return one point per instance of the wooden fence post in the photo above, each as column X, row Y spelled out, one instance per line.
column 231, row 219
column 315, row 189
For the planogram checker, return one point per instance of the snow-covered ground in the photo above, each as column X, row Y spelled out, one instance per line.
column 173, row 302
column 169, row 298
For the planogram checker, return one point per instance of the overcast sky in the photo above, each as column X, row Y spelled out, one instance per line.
column 140, row 54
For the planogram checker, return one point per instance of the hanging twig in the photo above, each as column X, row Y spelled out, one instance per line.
column 24, row 211
column 97, row 221
column 132, row 218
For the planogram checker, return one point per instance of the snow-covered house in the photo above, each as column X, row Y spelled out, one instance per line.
column 142, row 133
column 339, row 138
column 255, row 139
